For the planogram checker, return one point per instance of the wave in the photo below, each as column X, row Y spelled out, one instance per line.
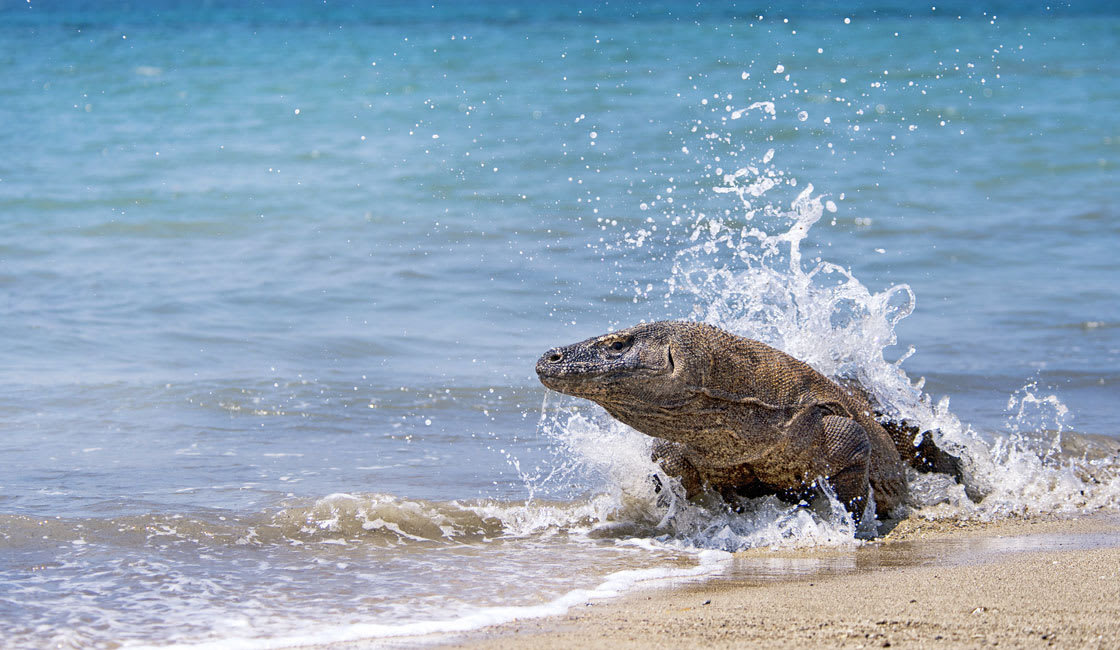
column 410, row 567
column 612, row 586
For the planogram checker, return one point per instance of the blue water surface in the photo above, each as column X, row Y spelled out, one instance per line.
column 252, row 252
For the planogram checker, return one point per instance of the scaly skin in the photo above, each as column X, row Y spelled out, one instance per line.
column 738, row 415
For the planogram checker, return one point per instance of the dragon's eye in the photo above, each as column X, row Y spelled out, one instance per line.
column 618, row 345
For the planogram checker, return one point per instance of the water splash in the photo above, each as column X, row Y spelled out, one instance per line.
column 747, row 266
column 634, row 498
column 1038, row 465
column 1030, row 413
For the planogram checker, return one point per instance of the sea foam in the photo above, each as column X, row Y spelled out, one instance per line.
column 709, row 563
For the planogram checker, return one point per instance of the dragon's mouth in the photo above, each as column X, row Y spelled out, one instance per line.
column 571, row 375
column 578, row 384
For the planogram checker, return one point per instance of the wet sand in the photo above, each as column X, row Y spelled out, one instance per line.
column 1016, row 583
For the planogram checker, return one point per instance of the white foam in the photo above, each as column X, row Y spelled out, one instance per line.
column 710, row 563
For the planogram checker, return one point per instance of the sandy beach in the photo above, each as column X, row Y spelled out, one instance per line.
column 276, row 279
column 1015, row 583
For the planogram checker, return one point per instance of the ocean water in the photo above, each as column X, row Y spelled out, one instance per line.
column 273, row 279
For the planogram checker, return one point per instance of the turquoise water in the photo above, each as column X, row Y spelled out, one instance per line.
column 273, row 280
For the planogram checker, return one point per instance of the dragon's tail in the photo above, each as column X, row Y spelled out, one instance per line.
column 925, row 456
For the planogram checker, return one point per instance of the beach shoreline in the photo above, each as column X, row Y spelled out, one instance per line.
column 1022, row 583
column 276, row 278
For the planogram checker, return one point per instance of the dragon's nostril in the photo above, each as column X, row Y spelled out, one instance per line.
column 555, row 357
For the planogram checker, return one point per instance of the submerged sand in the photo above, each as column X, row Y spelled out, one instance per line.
column 1015, row 583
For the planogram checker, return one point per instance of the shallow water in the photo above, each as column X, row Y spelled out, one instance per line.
column 273, row 280
column 761, row 568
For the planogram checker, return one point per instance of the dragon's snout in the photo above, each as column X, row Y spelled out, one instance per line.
column 549, row 363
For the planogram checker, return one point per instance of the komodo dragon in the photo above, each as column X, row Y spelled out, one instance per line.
column 741, row 416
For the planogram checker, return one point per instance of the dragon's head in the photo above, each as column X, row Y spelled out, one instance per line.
column 639, row 364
